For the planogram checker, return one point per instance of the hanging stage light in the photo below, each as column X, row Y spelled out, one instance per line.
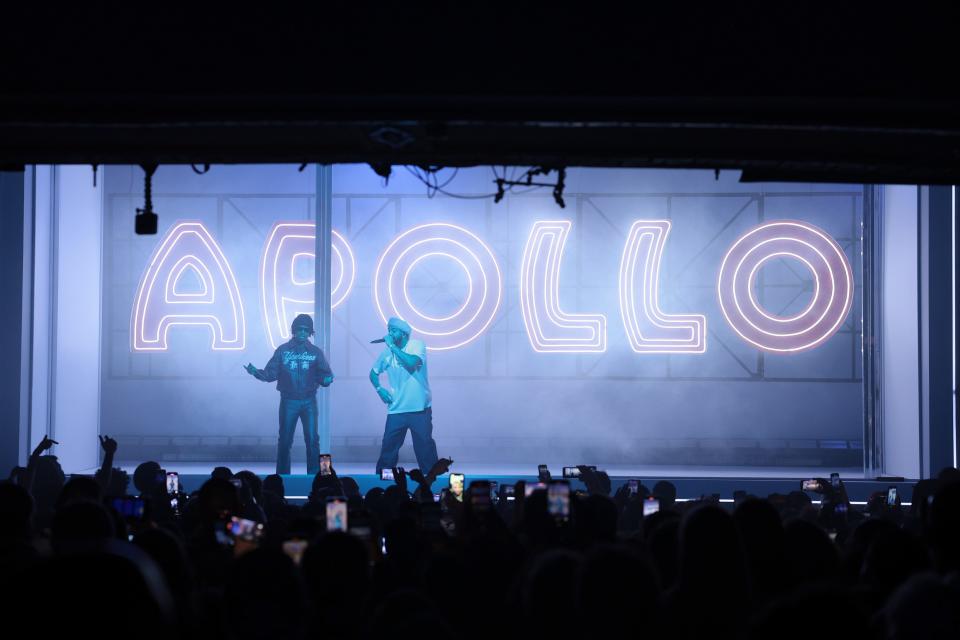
column 145, row 222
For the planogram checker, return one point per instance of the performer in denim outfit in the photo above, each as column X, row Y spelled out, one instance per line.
column 299, row 367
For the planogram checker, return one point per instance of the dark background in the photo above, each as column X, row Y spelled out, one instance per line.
column 836, row 92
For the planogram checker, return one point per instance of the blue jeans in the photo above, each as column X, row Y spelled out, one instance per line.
column 420, row 424
column 306, row 412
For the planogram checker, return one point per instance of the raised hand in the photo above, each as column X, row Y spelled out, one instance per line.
column 439, row 468
column 44, row 445
column 590, row 478
column 108, row 444
column 252, row 370
column 417, row 476
column 622, row 496
column 603, row 483
column 400, row 478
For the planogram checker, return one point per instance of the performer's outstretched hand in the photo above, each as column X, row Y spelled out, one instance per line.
column 385, row 395
column 252, row 370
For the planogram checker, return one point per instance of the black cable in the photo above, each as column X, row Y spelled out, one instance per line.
column 447, row 193
column 148, row 188
column 146, row 218
column 453, row 175
column 434, row 189
column 428, row 176
column 526, row 179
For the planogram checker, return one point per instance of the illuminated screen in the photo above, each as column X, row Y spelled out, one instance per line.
column 660, row 318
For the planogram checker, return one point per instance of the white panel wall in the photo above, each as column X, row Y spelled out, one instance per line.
column 66, row 349
column 899, row 345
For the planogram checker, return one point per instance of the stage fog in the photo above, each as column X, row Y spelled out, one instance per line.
column 499, row 397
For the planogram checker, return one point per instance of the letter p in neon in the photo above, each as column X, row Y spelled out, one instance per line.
column 283, row 294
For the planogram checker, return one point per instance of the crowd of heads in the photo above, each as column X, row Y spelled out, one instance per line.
column 236, row 559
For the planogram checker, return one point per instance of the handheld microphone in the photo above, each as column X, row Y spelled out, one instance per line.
column 377, row 341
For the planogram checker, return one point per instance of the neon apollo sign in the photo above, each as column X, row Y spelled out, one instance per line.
column 163, row 302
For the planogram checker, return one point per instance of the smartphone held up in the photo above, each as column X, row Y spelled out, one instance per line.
column 558, row 499
column 456, row 485
column 326, row 464
column 336, row 514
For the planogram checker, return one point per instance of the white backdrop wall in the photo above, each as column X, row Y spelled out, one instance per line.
column 494, row 395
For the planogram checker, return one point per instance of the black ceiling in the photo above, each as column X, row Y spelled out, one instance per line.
column 806, row 91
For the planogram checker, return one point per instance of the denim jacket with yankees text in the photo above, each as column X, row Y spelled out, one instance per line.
column 298, row 369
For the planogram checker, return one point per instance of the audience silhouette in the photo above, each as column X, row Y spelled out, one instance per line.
column 237, row 560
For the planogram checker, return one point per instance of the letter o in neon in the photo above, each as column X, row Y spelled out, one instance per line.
column 469, row 253
column 832, row 296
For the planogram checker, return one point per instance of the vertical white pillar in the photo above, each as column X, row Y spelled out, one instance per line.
column 322, row 293
column 900, row 332
column 78, row 229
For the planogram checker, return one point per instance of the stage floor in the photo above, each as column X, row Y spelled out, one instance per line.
column 475, row 470
column 691, row 482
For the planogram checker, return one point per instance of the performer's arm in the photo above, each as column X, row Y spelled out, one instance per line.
column 375, row 381
column 269, row 372
column 408, row 361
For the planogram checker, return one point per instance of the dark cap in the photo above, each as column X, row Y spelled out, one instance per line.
column 302, row 320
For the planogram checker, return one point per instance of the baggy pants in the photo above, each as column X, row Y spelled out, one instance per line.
column 420, row 424
column 306, row 412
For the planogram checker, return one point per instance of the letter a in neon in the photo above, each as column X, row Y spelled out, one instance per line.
column 548, row 327
column 162, row 301
column 649, row 329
